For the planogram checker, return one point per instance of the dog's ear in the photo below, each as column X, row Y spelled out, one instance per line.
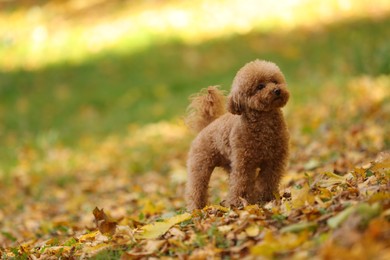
column 233, row 105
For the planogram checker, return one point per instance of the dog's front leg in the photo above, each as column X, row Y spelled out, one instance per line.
column 241, row 184
column 267, row 182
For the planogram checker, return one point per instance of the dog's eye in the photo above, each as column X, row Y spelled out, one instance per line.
column 260, row 86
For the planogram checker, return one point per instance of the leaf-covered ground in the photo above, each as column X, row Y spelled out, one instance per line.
column 91, row 201
column 84, row 171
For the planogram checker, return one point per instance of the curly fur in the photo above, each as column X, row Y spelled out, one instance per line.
column 204, row 108
column 250, row 141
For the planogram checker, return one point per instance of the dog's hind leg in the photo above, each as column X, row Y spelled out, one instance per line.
column 199, row 173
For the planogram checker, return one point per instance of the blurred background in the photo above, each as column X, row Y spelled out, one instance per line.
column 76, row 72
column 93, row 92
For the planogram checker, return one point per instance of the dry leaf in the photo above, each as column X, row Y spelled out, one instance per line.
column 299, row 227
column 337, row 220
column 301, row 196
column 97, row 248
column 157, row 229
column 252, row 230
column 103, row 222
column 89, row 236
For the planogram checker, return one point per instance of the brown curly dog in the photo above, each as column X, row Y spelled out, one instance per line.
column 250, row 141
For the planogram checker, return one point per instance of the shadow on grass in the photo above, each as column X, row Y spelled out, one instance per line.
column 109, row 92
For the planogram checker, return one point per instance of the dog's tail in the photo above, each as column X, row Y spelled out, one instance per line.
column 205, row 107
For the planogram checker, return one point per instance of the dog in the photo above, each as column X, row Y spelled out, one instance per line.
column 250, row 141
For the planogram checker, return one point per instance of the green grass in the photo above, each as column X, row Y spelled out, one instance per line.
column 105, row 94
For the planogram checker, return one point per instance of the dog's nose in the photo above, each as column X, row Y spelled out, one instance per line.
column 277, row 91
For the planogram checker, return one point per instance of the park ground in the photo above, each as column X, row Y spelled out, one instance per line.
column 93, row 145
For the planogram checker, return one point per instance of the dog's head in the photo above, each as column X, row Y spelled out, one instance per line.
column 259, row 85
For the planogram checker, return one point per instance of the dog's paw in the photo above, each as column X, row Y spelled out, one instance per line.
column 266, row 197
column 235, row 203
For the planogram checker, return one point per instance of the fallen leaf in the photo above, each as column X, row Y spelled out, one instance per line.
column 252, row 230
column 254, row 209
column 146, row 248
column 225, row 228
column 298, row 227
column 153, row 245
column 88, row 237
column 367, row 211
column 103, row 222
column 272, row 243
column 97, row 248
column 311, row 165
column 299, row 197
column 325, row 194
column 332, row 179
column 217, row 207
column 157, row 229
column 380, row 196
column 383, row 164
column 337, row 220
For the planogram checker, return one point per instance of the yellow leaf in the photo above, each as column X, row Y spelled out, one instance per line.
column 225, row 228
column 325, row 193
column 285, row 207
column 300, row 196
column 359, row 172
column 381, row 165
column 151, row 208
column 217, row 207
column 332, row 179
column 97, row 248
column 334, row 176
column 253, row 230
column 271, row 244
column 254, row 209
column 57, row 249
column 88, row 237
column 154, row 230
column 380, row 196
column 263, row 249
